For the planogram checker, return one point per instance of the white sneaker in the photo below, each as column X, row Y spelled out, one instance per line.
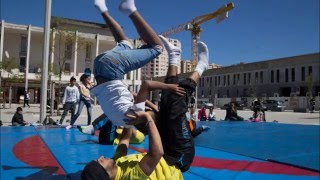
column 86, row 129
column 68, row 127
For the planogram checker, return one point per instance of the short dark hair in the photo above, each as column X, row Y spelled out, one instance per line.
column 72, row 79
column 94, row 171
column 19, row 108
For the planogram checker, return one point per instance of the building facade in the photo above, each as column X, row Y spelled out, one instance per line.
column 186, row 66
column 159, row 66
column 290, row 76
column 73, row 46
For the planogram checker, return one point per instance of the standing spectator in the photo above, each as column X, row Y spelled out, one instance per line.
column 192, row 101
column 202, row 115
column 85, row 99
column 17, row 119
column 26, row 99
column 312, row 104
column 193, row 114
column 212, row 115
column 70, row 99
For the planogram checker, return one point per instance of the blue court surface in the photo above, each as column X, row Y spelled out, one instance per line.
column 229, row 150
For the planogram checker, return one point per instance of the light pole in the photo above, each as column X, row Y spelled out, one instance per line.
column 44, row 72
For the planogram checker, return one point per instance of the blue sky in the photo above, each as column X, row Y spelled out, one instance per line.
column 256, row 30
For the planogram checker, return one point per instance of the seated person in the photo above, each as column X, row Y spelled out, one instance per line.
column 257, row 106
column 17, row 119
column 232, row 113
column 109, row 133
column 212, row 114
column 171, row 149
column 195, row 131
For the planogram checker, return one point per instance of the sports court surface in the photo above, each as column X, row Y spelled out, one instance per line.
column 229, row 150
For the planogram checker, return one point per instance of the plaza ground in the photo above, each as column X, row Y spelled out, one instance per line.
column 32, row 115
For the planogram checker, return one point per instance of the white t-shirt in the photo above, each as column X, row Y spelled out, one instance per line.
column 71, row 94
column 115, row 100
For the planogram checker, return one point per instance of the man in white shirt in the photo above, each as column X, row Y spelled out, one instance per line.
column 70, row 98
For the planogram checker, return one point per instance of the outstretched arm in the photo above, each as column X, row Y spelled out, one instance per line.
column 149, row 162
column 123, row 145
column 148, row 86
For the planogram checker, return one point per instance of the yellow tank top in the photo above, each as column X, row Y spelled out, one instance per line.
column 128, row 168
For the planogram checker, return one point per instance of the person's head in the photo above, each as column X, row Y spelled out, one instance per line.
column 85, row 79
column 211, row 109
column 100, row 169
column 72, row 81
column 19, row 110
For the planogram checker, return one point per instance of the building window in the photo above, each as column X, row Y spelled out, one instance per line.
column 256, row 77
column 228, row 80
column 88, row 52
column 272, row 76
column 24, row 44
column 68, row 50
column 310, row 70
column 261, row 77
column 234, row 79
column 287, row 75
column 303, row 73
column 238, row 79
column 224, row 80
column 22, row 64
column 215, row 81
column 67, row 67
column 278, row 76
column 245, row 78
column 249, row 78
column 293, row 74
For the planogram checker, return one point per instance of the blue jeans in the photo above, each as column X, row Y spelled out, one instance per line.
column 115, row 63
column 82, row 102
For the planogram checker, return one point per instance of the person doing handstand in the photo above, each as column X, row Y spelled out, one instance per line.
column 110, row 67
column 171, row 145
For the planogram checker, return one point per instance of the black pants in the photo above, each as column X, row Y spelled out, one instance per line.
column 68, row 106
column 176, row 137
column 26, row 102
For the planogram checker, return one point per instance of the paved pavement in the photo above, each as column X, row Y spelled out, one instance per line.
column 32, row 115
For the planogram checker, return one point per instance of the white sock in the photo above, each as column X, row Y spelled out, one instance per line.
column 127, row 7
column 100, row 5
column 203, row 58
column 174, row 52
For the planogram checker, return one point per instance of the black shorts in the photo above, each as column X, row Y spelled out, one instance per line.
column 176, row 137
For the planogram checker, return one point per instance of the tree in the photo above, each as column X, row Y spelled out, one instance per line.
column 62, row 46
column 8, row 65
